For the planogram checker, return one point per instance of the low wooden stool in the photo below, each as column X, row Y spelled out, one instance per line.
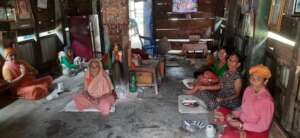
column 143, row 71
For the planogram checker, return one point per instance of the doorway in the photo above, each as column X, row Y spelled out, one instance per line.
column 140, row 23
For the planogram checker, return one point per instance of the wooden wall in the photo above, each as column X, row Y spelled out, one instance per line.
column 79, row 7
column 165, row 25
column 115, row 19
column 45, row 18
column 284, row 85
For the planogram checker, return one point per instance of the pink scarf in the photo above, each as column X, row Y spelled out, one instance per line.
column 99, row 85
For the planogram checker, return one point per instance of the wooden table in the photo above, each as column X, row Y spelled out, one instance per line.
column 151, row 66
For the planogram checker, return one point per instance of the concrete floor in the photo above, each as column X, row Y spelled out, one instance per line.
column 149, row 116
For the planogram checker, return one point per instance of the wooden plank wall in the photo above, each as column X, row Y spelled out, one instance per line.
column 177, row 25
column 285, row 84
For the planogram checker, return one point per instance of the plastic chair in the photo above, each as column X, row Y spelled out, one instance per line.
column 148, row 44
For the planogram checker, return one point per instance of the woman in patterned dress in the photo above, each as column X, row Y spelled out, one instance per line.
column 227, row 92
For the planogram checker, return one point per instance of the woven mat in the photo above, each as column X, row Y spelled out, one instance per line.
column 71, row 107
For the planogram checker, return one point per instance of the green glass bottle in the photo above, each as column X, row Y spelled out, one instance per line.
column 107, row 50
column 132, row 82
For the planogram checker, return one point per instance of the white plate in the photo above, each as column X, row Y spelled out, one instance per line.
column 187, row 82
column 192, row 110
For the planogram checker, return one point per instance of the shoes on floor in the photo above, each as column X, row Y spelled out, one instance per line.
column 199, row 124
column 188, row 127
column 193, row 125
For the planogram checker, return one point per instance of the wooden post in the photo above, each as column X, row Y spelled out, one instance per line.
column 37, row 45
column 114, row 16
column 292, row 95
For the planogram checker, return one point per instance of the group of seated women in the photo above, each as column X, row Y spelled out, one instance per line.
column 226, row 92
column 220, row 88
column 97, row 93
column 250, row 116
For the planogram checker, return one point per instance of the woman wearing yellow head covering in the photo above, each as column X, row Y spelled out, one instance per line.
column 21, row 76
column 256, row 112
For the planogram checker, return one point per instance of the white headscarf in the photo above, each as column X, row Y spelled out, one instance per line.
column 61, row 54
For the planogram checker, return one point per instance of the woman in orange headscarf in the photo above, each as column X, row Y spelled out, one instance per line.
column 21, row 76
column 254, row 117
column 98, row 89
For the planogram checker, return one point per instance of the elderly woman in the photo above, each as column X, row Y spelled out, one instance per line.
column 66, row 60
column 226, row 93
column 67, row 66
column 254, row 117
column 21, row 76
column 98, row 89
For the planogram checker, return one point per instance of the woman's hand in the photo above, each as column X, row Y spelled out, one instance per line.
column 22, row 69
column 90, row 98
column 201, row 88
column 191, row 84
column 235, row 123
column 189, row 92
column 218, row 117
column 219, row 100
column 230, row 117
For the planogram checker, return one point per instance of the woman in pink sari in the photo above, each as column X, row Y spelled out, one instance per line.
column 98, row 90
column 22, row 77
column 254, row 117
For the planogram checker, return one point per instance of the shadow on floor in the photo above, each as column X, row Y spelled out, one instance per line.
column 6, row 99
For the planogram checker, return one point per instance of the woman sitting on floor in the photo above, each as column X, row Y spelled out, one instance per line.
column 98, row 89
column 225, row 93
column 66, row 60
column 254, row 117
column 22, row 77
column 206, row 78
column 219, row 66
